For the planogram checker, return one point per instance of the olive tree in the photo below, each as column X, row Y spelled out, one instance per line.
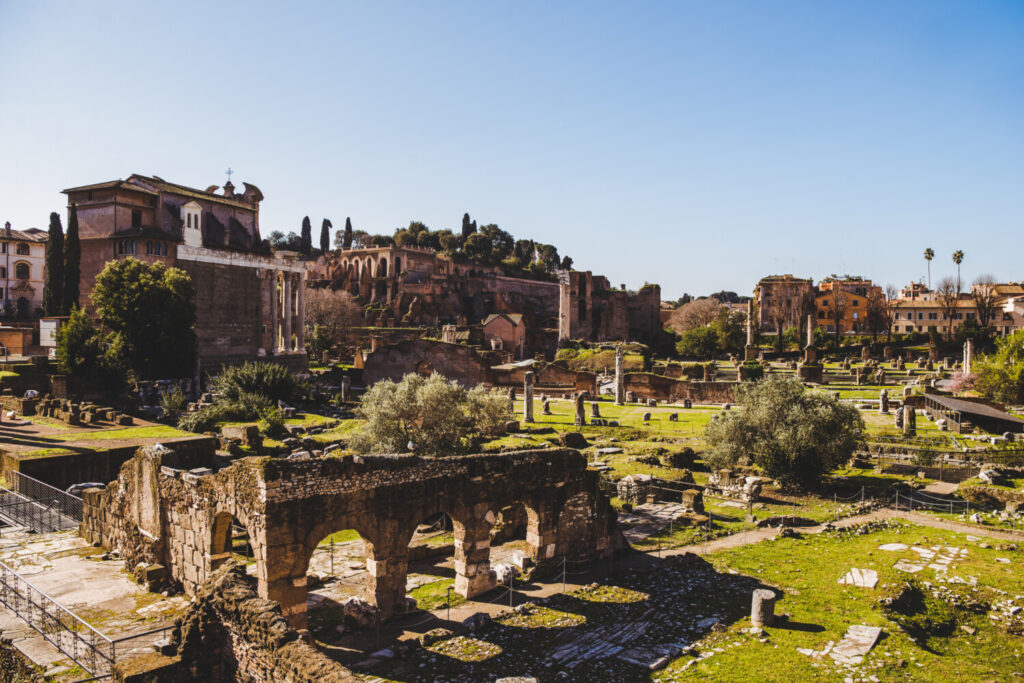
column 794, row 434
column 437, row 416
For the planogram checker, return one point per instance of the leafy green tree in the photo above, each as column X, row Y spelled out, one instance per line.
column 699, row 342
column 53, row 289
column 730, row 330
column 795, row 435
column 306, row 238
column 72, row 262
column 90, row 356
column 325, row 236
column 437, row 416
column 1000, row 376
column 152, row 307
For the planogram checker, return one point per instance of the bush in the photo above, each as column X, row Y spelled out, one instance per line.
column 1000, row 376
column 271, row 423
column 173, row 402
column 794, row 435
column 95, row 358
column 700, row 342
column 435, row 415
column 272, row 381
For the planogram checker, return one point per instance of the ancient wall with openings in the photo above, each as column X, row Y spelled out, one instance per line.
column 287, row 507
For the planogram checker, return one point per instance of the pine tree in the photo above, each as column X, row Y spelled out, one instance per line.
column 346, row 242
column 72, row 262
column 467, row 227
column 325, row 237
column 306, row 239
column 53, row 289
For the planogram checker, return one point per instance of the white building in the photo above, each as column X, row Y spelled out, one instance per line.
column 22, row 271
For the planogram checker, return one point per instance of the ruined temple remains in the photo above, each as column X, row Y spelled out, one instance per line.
column 180, row 521
column 590, row 309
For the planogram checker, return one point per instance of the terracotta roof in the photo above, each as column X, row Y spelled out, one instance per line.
column 30, row 235
column 137, row 183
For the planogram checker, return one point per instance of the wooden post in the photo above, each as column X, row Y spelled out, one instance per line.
column 762, row 608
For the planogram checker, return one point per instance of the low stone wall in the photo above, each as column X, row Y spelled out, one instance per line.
column 20, row 406
column 647, row 385
column 229, row 633
column 67, row 469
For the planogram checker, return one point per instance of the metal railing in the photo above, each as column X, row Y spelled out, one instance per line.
column 36, row 515
column 65, row 503
column 86, row 646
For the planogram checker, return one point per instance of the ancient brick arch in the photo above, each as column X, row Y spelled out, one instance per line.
column 289, row 506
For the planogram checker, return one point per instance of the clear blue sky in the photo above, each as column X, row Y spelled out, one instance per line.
column 696, row 145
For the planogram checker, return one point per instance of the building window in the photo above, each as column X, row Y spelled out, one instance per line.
column 3, row 272
column 958, row 316
column 136, row 218
column 22, row 249
column 856, row 302
column 856, row 315
column 933, row 316
column 920, row 315
column 21, row 271
column 970, row 316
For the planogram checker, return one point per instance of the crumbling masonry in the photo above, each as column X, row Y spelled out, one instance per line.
column 179, row 520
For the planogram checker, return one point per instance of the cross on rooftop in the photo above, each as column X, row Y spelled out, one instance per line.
column 229, row 172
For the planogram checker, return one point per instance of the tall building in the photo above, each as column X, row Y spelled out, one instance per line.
column 590, row 309
column 783, row 301
column 249, row 302
column 22, row 271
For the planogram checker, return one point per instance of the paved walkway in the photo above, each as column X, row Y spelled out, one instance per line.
column 355, row 648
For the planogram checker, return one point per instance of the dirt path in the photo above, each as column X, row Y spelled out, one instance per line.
column 355, row 648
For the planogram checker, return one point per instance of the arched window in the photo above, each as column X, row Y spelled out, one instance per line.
column 22, row 271
column 23, row 249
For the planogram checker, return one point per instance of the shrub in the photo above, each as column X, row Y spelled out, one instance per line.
column 436, row 415
column 271, row 423
column 1000, row 376
column 272, row 381
column 173, row 402
column 794, row 435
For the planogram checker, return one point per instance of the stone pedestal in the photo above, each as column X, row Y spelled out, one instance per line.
column 749, row 352
column 811, row 373
column 810, row 354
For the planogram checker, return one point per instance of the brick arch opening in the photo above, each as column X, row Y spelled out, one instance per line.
column 228, row 538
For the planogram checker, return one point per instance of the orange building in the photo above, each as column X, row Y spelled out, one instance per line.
column 853, row 295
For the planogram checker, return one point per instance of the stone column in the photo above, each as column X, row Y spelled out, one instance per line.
column 286, row 310
column 275, row 327
column 762, row 607
column 968, row 354
column 909, row 420
column 620, row 377
column 883, row 401
column 528, row 396
column 810, row 353
column 473, row 574
column 301, row 317
column 810, row 329
column 750, row 351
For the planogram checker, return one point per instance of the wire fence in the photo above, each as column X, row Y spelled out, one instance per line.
column 32, row 514
column 61, row 501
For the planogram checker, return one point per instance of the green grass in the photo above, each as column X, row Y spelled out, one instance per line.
column 344, row 536
column 433, row 595
column 124, row 433
column 806, row 571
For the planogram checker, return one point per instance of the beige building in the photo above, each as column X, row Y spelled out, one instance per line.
column 920, row 310
column 22, row 271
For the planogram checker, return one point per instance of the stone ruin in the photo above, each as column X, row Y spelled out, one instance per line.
column 75, row 414
column 736, row 485
column 176, row 524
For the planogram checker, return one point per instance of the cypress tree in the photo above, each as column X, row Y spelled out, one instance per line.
column 346, row 242
column 72, row 262
column 53, row 289
column 467, row 228
column 306, row 239
column 325, row 237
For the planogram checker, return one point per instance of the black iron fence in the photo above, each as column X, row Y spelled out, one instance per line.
column 61, row 501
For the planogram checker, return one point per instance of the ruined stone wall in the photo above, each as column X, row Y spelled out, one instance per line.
column 228, row 311
column 590, row 309
column 423, row 356
column 289, row 506
column 230, row 634
column 65, row 470
column 648, row 385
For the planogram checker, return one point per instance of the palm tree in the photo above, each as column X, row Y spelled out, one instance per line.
column 929, row 254
column 958, row 257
